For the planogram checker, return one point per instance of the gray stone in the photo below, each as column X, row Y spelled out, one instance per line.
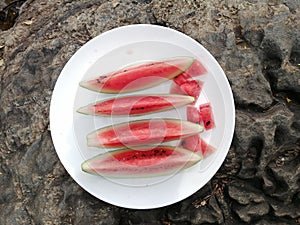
column 252, row 211
column 248, row 83
column 245, row 194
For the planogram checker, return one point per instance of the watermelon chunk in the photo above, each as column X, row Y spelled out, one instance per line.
column 142, row 132
column 182, row 78
column 192, row 114
column 202, row 115
column 206, row 149
column 192, row 143
column 139, row 76
column 192, row 88
column 141, row 162
column 196, row 69
column 136, row 105
column 196, row 144
column 206, row 115
column 175, row 89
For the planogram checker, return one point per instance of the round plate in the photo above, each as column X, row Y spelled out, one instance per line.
column 113, row 50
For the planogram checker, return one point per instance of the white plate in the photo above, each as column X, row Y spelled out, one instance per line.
column 115, row 49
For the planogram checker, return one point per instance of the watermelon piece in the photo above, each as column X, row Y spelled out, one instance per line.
column 142, row 132
column 206, row 149
column 192, row 88
column 196, row 69
column 136, row 105
column 182, row 78
column 196, row 144
column 191, row 143
column 192, row 114
column 175, row 89
column 206, row 115
column 202, row 115
column 142, row 162
column 139, row 76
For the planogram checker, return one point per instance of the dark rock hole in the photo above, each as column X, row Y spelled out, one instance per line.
column 279, row 184
column 161, row 23
column 145, row 1
column 272, row 55
column 295, row 54
column 254, row 37
column 251, row 160
column 9, row 13
column 281, row 135
column 250, row 107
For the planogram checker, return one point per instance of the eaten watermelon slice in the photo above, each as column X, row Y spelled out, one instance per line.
column 142, row 132
column 136, row 105
column 196, row 144
column 202, row 115
column 139, row 76
column 145, row 161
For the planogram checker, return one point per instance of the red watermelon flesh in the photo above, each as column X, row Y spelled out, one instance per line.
column 196, row 69
column 182, row 78
column 144, row 161
column 206, row 149
column 202, row 115
column 192, row 88
column 196, row 144
column 206, row 115
column 188, row 87
column 191, row 143
column 175, row 89
column 192, row 114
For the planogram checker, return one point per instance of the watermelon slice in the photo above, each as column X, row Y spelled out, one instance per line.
column 139, row 76
column 196, row 144
column 136, row 105
column 142, row 162
column 202, row 115
column 142, row 132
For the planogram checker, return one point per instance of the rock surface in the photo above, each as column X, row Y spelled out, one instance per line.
column 256, row 42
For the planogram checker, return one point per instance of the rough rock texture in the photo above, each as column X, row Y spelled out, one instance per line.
column 256, row 42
